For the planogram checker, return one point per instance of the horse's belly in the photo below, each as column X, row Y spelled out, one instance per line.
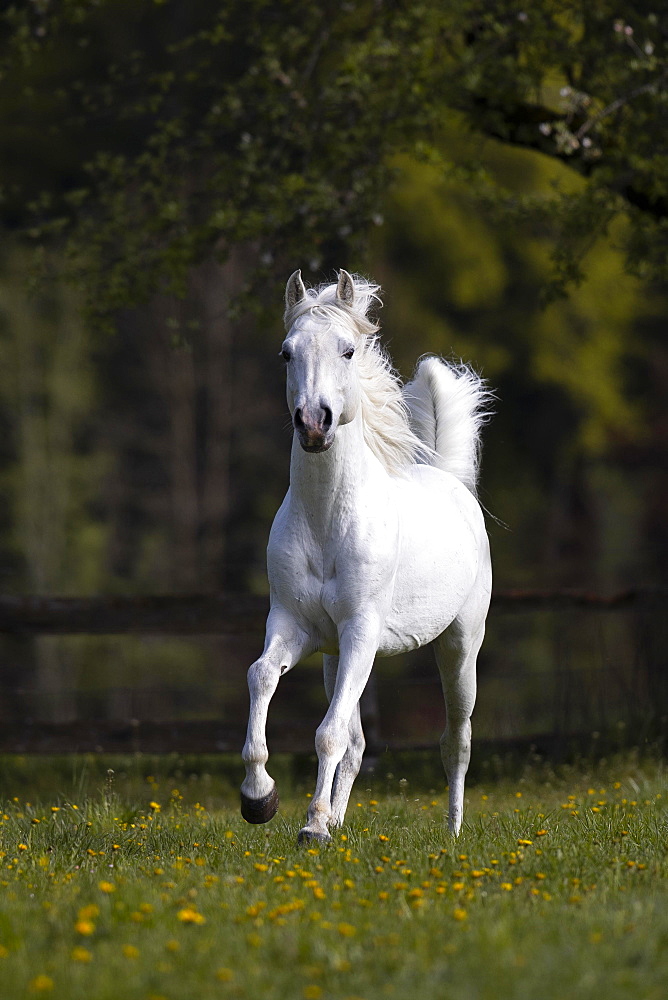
column 410, row 627
column 440, row 557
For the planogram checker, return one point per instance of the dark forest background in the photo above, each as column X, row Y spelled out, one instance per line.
column 503, row 173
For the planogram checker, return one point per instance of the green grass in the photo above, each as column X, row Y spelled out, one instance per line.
column 557, row 888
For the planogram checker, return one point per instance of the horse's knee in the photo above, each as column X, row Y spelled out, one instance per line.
column 331, row 739
column 262, row 678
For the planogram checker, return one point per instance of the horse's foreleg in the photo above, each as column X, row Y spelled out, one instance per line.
column 259, row 798
column 456, row 651
column 332, row 739
column 349, row 765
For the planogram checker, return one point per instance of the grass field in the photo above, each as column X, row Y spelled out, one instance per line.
column 147, row 884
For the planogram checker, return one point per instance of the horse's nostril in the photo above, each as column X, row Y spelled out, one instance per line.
column 327, row 419
column 298, row 422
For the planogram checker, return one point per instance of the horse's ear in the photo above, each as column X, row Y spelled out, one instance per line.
column 295, row 290
column 345, row 290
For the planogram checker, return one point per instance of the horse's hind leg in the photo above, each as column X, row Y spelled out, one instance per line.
column 349, row 765
column 284, row 645
column 456, row 652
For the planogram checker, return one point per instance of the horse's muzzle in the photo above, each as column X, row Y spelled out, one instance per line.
column 314, row 428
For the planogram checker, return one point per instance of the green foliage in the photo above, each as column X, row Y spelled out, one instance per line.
column 145, row 136
column 586, row 87
column 465, row 285
column 47, row 381
column 556, row 886
column 242, row 123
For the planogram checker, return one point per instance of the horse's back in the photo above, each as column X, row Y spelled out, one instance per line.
column 443, row 561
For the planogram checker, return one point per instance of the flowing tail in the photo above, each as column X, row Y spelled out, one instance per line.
column 448, row 405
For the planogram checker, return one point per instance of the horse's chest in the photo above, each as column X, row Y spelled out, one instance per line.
column 319, row 582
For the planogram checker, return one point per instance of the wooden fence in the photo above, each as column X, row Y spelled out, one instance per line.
column 233, row 614
column 641, row 687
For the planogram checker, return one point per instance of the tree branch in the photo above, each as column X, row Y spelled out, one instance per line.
column 520, row 125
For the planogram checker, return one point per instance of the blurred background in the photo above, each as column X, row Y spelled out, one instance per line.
column 503, row 174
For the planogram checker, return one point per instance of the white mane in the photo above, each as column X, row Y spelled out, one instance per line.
column 385, row 417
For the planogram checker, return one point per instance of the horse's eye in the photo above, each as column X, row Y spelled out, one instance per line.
column 349, row 353
column 285, row 354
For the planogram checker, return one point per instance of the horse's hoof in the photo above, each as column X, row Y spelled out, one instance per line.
column 259, row 810
column 309, row 837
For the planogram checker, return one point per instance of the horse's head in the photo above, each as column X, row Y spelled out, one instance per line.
column 323, row 388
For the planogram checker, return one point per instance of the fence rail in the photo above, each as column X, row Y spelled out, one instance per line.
column 554, row 676
column 236, row 614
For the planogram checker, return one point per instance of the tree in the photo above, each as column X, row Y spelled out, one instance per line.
column 590, row 89
column 183, row 130
column 149, row 135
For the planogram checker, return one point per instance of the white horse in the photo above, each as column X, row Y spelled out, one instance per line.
column 379, row 546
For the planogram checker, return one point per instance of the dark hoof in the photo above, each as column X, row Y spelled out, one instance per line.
column 259, row 810
column 308, row 837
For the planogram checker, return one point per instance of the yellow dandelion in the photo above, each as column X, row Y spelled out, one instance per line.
column 41, row 984
column 85, row 927
column 189, row 915
column 507, row 886
column 459, row 914
column 347, row 930
column 130, row 951
column 383, row 839
column 106, row 887
column 23, row 847
column 81, row 955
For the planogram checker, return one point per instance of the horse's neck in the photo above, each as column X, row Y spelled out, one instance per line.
column 325, row 485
